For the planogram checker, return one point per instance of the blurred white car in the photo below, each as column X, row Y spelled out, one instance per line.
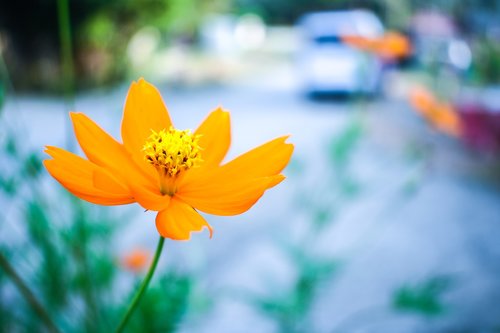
column 329, row 66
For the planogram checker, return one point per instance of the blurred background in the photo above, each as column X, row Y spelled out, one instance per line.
column 389, row 220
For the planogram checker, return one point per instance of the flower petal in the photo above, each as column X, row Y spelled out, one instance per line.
column 235, row 187
column 103, row 150
column 179, row 220
column 266, row 160
column 150, row 198
column 227, row 196
column 215, row 137
column 144, row 111
column 104, row 180
column 85, row 179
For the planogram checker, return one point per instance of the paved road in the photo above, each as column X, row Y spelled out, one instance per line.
column 421, row 208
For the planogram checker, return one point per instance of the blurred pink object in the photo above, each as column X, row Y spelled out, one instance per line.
column 433, row 23
column 480, row 118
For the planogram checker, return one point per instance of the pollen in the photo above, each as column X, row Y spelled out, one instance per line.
column 172, row 151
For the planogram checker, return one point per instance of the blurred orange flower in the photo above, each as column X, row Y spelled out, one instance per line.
column 390, row 46
column 136, row 260
column 440, row 115
column 422, row 100
column 174, row 172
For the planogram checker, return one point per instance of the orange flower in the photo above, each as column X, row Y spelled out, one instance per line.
column 136, row 260
column 391, row 45
column 441, row 115
column 164, row 169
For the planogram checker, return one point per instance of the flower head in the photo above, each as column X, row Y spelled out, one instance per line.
column 174, row 172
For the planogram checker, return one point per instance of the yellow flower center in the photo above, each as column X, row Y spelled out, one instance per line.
column 171, row 152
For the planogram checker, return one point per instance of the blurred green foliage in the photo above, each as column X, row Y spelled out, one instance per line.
column 291, row 309
column 289, row 11
column 168, row 299
column 2, row 96
column 486, row 62
column 341, row 150
column 101, row 32
column 424, row 298
column 342, row 146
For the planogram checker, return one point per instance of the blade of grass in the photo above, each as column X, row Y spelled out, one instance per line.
column 28, row 294
column 68, row 77
column 66, row 48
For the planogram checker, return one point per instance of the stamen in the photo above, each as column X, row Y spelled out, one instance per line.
column 171, row 152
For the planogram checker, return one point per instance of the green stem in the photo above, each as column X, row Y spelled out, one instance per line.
column 142, row 288
column 66, row 49
column 67, row 66
column 28, row 294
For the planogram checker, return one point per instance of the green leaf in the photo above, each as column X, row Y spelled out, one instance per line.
column 423, row 298
column 32, row 165
column 51, row 271
column 164, row 305
column 342, row 146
